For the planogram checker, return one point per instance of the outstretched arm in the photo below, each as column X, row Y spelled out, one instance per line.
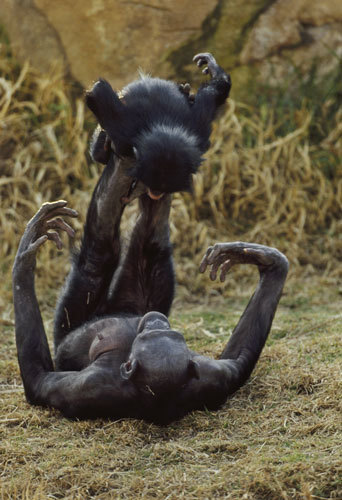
column 210, row 96
column 249, row 336
column 33, row 350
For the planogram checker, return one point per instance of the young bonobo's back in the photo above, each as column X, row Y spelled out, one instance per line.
column 159, row 125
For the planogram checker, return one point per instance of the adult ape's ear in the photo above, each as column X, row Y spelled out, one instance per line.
column 128, row 369
column 193, row 370
column 100, row 147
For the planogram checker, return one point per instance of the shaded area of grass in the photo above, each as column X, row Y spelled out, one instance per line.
column 278, row 437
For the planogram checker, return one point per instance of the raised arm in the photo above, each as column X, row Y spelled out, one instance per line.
column 243, row 349
column 210, row 96
column 33, row 351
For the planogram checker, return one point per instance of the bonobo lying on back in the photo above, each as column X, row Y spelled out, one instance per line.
column 159, row 126
column 116, row 355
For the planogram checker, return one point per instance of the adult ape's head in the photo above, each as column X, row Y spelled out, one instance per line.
column 160, row 361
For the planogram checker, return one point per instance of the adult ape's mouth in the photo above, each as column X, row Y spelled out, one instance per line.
column 154, row 195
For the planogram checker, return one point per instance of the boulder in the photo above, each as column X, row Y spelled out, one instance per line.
column 262, row 40
column 295, row 34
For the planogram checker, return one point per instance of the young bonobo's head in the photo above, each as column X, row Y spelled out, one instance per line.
column 160, row 361
column 166, row 157
column 164, row 149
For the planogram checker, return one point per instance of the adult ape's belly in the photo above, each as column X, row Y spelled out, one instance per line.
column 113, row 334
column 85, row 344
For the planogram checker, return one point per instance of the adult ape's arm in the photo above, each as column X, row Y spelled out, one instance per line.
column 219, row 378
column 249, row 336
column 33, row 351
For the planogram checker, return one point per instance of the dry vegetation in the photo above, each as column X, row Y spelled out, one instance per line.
column 273, row 175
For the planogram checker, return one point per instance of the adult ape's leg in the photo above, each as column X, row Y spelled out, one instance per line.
column 146, row 282
column 93, row 268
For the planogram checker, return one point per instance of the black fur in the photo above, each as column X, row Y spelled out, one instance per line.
column 116, row 353
column 159, row 126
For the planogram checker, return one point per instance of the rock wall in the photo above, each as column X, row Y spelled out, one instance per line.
column 254, row 39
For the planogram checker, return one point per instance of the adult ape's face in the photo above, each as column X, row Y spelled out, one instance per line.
column 160, row 359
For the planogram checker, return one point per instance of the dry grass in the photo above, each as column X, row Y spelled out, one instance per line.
column 257, row 185
column 277, row 438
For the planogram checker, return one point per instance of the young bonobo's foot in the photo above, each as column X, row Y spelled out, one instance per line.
column 227, row 255
column 38, row 229
column 213, row 69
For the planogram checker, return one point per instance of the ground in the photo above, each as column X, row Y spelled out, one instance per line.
column 278, row 437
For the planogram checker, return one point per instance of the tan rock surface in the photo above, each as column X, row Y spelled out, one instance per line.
column 288, row 23
column 109, row 38
column 112, row 38
column 31, row 35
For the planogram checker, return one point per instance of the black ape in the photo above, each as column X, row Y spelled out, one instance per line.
column 116, row 353
column 163, row 131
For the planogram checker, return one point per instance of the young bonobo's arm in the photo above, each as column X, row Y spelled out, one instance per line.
column 210, row 96
column 249, row 336
column 33, row 350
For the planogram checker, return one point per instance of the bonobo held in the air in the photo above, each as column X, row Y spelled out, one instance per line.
column 116, row 355
column 159, row 125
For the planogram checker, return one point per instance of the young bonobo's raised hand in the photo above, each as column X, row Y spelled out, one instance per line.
column 43, row 226
column 212, row 68
column 212, row 94
column 226, row 255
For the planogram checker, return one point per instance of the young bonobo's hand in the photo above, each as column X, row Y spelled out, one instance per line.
column 185, row 89
column 227, row 255
column 38, row 229
column 213, row 69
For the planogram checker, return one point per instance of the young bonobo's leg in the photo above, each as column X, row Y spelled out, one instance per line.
column 93, row 268
column 146, row 281
column 250, row 334
column 33, row 350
